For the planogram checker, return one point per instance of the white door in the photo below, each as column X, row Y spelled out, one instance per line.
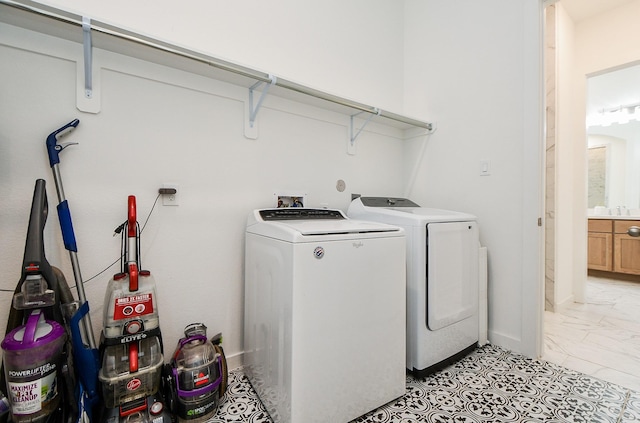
column 452, row 273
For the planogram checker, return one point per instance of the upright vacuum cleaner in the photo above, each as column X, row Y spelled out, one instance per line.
column 85, row 352
column 37, row 374
column 131, row 342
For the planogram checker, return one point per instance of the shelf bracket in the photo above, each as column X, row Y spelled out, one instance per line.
column 351, row 148
column 254, row 110
column 88, row 60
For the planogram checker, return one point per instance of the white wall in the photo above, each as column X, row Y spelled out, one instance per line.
column 598, row 48
column 159, row 125
column 346, row 48
column 632, row 180
column 474, row 68
column 601, row 43
column 478, row 77
column 570, row 156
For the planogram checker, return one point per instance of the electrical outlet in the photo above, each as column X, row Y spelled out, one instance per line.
column 171, row 199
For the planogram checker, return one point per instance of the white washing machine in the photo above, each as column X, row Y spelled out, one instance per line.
column 325, row 314
column 443, row 320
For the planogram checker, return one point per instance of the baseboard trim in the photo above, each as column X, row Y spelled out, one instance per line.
column 505, row 341
column 235, row 360
column 563, row 305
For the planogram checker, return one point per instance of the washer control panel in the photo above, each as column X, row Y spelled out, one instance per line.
column 292, row 213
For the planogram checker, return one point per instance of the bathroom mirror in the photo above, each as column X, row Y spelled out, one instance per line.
column 613, row 130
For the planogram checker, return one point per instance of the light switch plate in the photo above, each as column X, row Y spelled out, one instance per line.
column 485, row 167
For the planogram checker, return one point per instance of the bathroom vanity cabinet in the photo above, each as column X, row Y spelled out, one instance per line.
column 600, row 245
column 611, row 249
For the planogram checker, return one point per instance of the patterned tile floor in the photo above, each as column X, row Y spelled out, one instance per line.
column 489, row 385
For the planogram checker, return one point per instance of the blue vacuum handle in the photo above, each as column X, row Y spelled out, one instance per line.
column 52, row 141
column 68, row 236
column 54, row 149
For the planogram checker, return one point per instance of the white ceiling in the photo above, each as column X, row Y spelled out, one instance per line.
column 613, row 89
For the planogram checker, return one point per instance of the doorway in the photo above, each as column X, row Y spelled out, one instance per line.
column 566, row 205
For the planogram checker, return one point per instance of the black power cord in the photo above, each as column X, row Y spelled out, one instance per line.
column 116, row 232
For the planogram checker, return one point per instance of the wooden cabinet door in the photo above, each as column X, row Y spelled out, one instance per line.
column 600, row 251
column 626, row 254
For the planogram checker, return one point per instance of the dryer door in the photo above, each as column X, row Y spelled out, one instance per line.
column 452, row 273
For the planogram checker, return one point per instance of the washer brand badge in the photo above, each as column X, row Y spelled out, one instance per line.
column 318, row 252
column 134, row 384
column 357, row 244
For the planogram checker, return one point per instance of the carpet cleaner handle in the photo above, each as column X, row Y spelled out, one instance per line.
column 85, row 352
column 53, row 148
column 131, row 217
column 64, row 215
column 132, row 258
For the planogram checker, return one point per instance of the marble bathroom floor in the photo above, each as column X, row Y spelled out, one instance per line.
column 600, row 338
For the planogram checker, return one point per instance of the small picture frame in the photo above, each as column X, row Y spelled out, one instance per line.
column 290, row 200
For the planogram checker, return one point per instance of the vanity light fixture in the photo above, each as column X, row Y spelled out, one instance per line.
column 620, row 115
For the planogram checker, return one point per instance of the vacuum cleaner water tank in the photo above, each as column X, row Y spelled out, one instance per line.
column 129, row 312
column 119, row 384
column 32, row 357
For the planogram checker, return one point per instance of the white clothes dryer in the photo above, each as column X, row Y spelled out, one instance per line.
column 325, row 311
column 442, row 278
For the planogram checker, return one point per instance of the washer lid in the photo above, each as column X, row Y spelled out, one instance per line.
column 396, row 210
column 292, row 223
column 323, row 227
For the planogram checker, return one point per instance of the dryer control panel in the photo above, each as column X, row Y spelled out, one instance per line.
column 387, row 202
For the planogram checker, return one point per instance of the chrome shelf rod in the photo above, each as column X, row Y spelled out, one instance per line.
column 70, row 18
